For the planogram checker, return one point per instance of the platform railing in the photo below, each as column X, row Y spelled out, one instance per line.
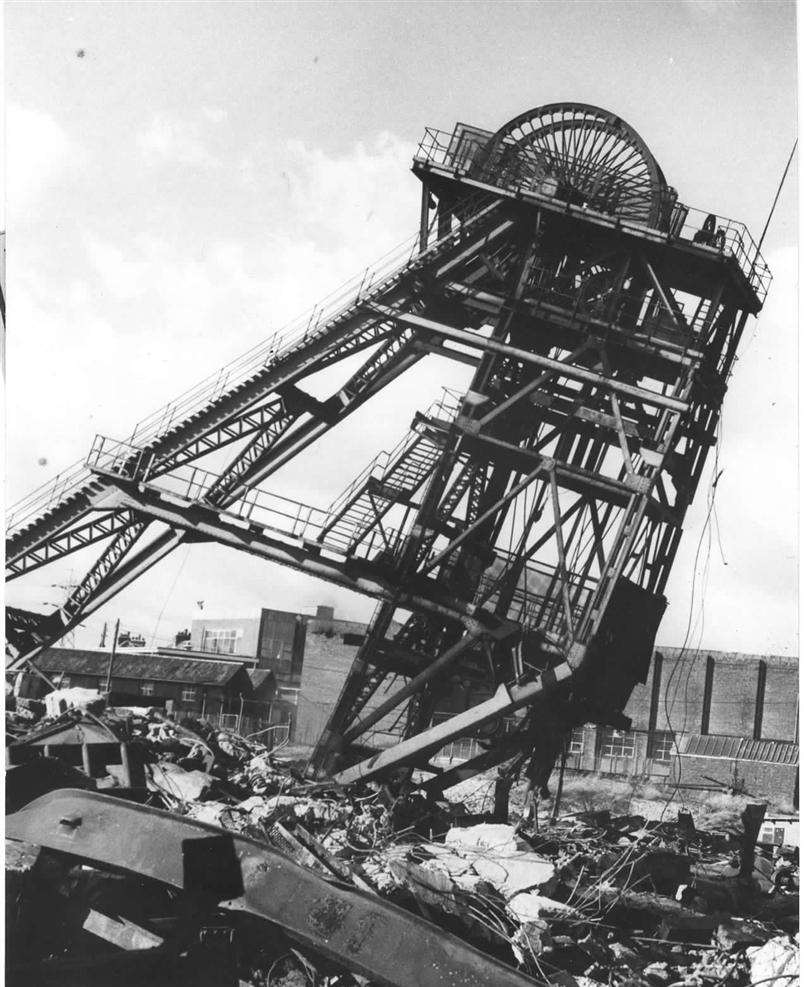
column 50, row 492
column 730, row 238
column 355, row 290
column 268, row 351
column 463, row 150
column 446, row 407
column 535, row 606
column 511, row 167
column 282, row 515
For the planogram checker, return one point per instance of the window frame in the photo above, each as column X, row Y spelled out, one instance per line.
column 661, row 746
column 575, row 744
column 212, row 638
column 617, row 743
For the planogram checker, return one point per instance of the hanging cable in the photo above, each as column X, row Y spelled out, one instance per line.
column 762, row 240
column 167, row 598
column 668, row 705
column 775, row 200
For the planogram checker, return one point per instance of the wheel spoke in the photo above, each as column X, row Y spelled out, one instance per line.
column 596, row 158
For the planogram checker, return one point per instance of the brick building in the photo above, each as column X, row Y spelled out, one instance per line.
column 702, row 718
column 705, row 717
column 190, row 686
column 330, row 647
column 275, row 640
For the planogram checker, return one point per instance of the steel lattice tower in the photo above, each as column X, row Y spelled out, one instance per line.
column 519, row 538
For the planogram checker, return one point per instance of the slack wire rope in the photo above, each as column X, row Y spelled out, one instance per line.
column 669, row 704
column 168, row 596
column 765, row 230
column 710, row 512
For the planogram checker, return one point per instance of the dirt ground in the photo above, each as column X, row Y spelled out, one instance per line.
column 591, row 793
column 621, row 796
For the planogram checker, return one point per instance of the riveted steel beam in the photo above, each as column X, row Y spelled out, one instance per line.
column 362, row 932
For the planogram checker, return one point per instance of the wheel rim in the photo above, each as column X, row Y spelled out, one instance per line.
column 580, row 154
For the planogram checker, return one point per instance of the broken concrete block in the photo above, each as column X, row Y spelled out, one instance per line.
column 531, row 939
column 776, row 963
column 186, row 786
column 529, row 906
column 738, row 932
column 500, row 858
column 497, row 837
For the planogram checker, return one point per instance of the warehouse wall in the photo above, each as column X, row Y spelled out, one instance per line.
column 780, row 710
column 718, row 693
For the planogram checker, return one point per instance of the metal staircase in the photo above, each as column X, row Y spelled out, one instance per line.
column 390, row 478
column 547, row 503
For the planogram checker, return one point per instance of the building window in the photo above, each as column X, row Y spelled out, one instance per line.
column 662, row 745
column 147, row 688
column 189, row 694
column 278, row 649
column 576, row 741
column 219, row 642
column 617, row 743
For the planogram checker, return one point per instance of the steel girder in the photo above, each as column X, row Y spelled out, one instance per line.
column 601, row 348
column 257, row 460
column 360, row 932
column 351, row 330
column 587, row 408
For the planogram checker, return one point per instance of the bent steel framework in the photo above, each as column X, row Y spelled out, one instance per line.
column 522, row 532
column 359, row 932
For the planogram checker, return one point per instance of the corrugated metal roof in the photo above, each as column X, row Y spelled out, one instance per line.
column 739, row 749
column 157, row 668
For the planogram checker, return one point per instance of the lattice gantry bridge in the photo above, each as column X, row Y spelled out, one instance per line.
column 522, row 532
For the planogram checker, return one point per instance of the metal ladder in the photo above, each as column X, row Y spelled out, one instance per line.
column 390, row 478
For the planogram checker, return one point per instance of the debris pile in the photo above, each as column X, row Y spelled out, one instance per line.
column 588, row 900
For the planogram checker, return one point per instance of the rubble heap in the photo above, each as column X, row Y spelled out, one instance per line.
column 589, row 900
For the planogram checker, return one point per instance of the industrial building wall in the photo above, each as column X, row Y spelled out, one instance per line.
column 715, row 692
column 780, row 709
column 775, row 782
column 696, row 692
column 330, row 648
column 242, row 632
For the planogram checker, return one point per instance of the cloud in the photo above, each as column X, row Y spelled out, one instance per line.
column 360, row 191
column 155, row 307
column 174, row 142
column 215, row 114
column 39, row 154
column 152, row 306
column 709, row 9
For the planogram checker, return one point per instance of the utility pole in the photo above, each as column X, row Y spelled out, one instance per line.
column 560, row 785
column 103, row 635
column 111, row 655
column 68, row 587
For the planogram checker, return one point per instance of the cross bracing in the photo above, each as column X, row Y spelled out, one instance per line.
column 522, row 530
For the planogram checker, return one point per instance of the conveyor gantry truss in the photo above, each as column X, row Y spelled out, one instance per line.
column 518, row 540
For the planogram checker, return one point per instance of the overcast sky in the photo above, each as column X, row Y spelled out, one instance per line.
column 185, row 177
